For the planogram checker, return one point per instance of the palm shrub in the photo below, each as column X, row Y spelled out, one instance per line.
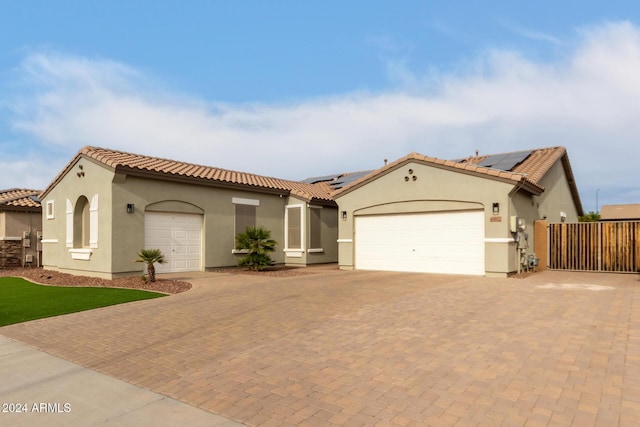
column 257, row 241
column 150, row 257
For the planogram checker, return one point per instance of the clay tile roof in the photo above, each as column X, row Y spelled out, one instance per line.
column 207, row 175
column 539, row 162
column 20, row 198
column 528, row 173
column 620, row 212
column 534, row 166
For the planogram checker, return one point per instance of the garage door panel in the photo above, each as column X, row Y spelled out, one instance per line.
column 443, row 242
column 161, row 233
column 178, row 236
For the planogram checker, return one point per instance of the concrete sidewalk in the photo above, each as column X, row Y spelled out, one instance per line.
column 37, row 389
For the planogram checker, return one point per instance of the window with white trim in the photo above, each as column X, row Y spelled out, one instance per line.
column 245, row 217
column 51, row 209
column 315, row 227
column 245, row 214
column 294, row 237
column 81, row 223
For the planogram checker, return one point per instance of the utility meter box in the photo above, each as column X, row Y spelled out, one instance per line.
column 516, row 224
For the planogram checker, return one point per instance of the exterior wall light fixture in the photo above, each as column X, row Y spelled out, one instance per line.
column 344, row 215
column 496, row 208
column 130, row 208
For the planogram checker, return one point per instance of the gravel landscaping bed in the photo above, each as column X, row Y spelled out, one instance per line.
column 53, row 278
column 273, row 271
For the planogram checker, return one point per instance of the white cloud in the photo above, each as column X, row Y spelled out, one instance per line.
column 31, row 171
column 534, row 34
column 587, row 101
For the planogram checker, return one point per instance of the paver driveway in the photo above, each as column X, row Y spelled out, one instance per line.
column 368, row 348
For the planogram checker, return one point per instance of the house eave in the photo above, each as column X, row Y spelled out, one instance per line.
column 129, row 171
column 572, row 184
column 528, row 186
column 64, row 172
column 502, row 176
column 323, row 202
column 5, row 208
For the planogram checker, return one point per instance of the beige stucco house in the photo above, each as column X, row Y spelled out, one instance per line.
column 468, row 216
column 20, row 227
column 106, row 205
column 421, row 214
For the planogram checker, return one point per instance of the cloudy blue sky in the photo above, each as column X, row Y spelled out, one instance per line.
column 295, row 89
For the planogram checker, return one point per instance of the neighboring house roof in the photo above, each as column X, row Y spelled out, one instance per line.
column 525, row 168
column 620, row 212
column 155, row 167
column 20, row 199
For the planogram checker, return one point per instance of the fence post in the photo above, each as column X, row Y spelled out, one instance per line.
column 541, row 243
column 599, row 246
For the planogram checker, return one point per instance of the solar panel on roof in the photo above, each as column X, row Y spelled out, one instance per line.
column 506, row 161
column 337, row 181
column 348, row 179
column 316, row 179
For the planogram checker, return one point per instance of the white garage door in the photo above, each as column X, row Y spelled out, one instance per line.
column 440, row 242
column 178, row 236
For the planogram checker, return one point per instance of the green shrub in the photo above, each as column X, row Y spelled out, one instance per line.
column 257, row 241
column 150, row 257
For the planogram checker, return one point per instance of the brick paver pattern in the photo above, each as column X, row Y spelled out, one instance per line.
column 375, row 348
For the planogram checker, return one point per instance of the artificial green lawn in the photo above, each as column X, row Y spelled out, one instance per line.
column 21, row 300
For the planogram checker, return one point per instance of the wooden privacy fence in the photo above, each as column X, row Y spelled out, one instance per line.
column 595, row 246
